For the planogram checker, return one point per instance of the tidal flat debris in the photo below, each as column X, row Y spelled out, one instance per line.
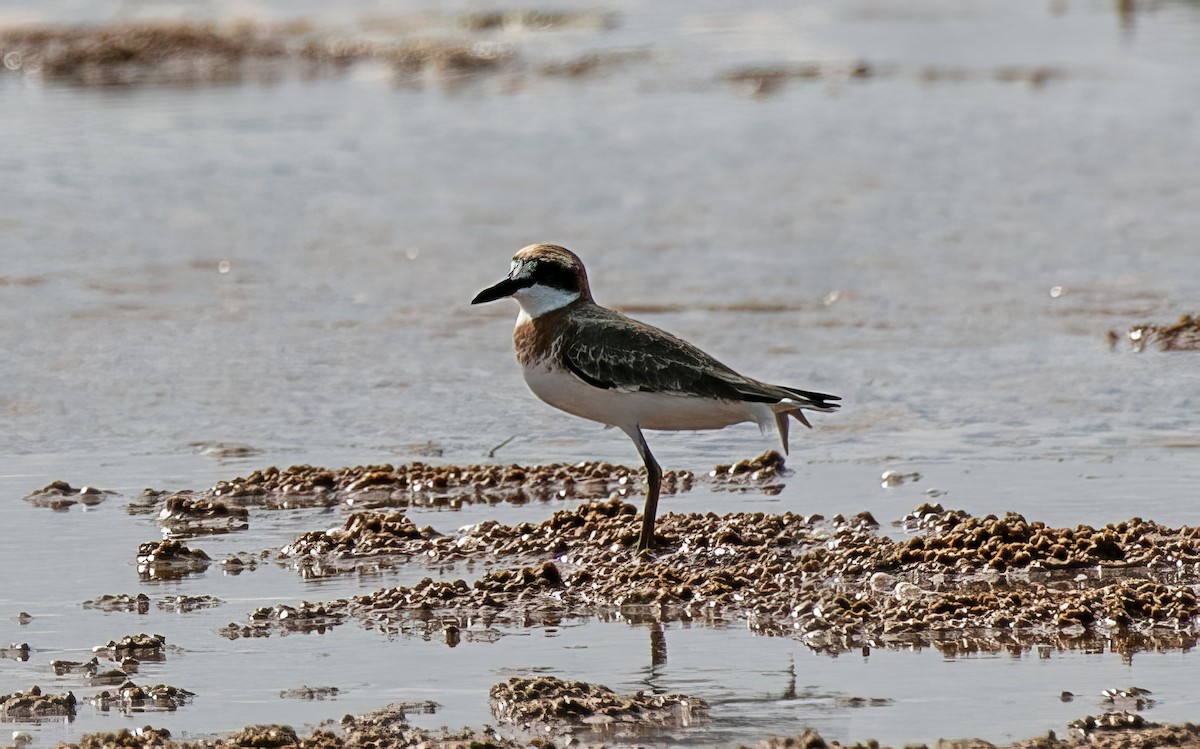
column 307, row 618
column 549, row 701
column 186, row 515
column 310, row 693
column 266, row 736
column 1134, row 698
column 225, row 450
column 594, row 63
column 61, row 496
column 142, row 646
column 169, row 560
column 182, row 604
column 891, row 479
column 130, row 52
column 763, row 80
column 139, row 604
column 236, row 564
column 1182, row 335
column 1122, row 720
column 145, row 737
column 536, row 20
column 16, row 651
column 931, row 517
column 762, row 474
column 190, row 52
column 133, row 697
column 89, row 668
column 960, row 583
column 364, row 534
column 33, row 705
column 423, row 485
column 389, row 727
column 419, row 484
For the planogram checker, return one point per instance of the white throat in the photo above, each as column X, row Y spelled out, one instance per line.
column 537, row 300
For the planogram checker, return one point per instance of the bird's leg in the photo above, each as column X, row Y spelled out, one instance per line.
column 654, row 483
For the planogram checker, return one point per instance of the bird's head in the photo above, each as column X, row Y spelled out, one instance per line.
column 542, row 278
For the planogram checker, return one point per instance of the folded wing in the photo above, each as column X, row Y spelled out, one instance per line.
column 622, row 354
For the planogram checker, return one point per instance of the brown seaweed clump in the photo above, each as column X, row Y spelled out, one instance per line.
column 1182, row 335
column 552, row 701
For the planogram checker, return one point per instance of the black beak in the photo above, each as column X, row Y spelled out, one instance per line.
column 507, row 287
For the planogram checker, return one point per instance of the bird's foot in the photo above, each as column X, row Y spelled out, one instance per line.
column 645, row 554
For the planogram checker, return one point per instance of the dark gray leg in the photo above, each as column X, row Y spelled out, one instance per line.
column 654, row 483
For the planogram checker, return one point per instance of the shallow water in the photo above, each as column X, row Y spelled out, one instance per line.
column 286, row 266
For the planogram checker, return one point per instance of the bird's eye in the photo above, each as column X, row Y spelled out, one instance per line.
column 512, row 267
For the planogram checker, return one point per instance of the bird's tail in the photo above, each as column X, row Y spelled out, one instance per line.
column 812, row 401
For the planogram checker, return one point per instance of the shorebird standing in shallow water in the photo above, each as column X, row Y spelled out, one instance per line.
column 601, row 365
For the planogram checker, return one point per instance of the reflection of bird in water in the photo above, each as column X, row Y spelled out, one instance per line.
column 601, row 365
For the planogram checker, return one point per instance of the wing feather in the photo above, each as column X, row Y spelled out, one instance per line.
column 618, row 353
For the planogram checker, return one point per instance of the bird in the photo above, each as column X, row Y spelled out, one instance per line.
column 598, row 364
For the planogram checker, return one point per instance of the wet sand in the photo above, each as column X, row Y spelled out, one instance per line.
column 941, row 579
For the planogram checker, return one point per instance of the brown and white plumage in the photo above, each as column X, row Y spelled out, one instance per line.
column 601, row 365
